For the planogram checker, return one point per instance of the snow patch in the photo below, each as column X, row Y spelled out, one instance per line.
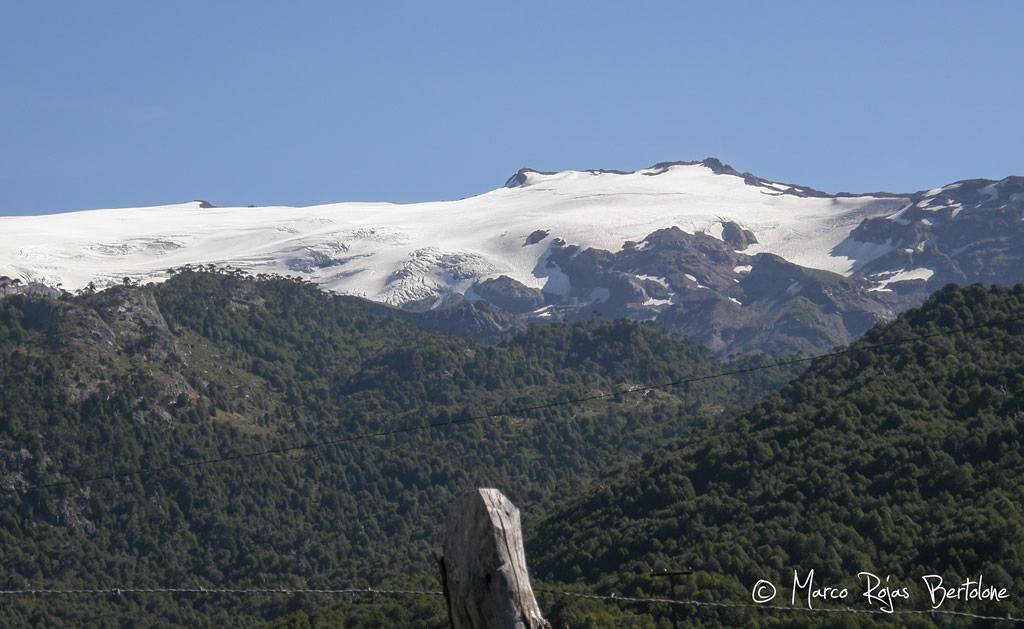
column 652, row 278
column 897, row 215
column 556, row 282
column 904, row 276
column 715, row 231
column 858, row 254
column 694, row 280
column 743, row 268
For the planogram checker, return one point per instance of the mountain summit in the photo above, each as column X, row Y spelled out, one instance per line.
column 741, row 263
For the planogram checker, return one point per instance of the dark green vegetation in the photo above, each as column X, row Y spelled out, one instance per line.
column 214, row 365
column 905, row 460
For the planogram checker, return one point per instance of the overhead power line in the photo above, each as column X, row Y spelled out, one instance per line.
column 766, row 608
column 515, row 411
column 118, row 591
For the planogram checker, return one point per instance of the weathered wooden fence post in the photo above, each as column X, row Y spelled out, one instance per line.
column 485, row 567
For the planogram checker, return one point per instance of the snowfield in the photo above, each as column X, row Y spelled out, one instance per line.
column 403, row 253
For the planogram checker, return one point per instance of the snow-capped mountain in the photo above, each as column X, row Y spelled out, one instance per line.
column 738, row 262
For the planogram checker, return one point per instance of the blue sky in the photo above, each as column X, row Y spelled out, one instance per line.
column 119, row 104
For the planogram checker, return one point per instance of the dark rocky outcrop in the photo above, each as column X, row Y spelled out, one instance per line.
column 509, row 294
column 132, row 313
column 536, row 237
column 472, row 319
column 736, row 236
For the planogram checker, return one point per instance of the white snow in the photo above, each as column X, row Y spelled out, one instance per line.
column 695, row 280
column 715, row 230
column 898, row 214
column 913, row 274
column 904, row 276
column 860, row 253
column 743, row 268
column 652, row 278
column 396, row 253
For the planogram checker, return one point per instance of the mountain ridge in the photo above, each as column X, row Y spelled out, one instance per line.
column 578, row 244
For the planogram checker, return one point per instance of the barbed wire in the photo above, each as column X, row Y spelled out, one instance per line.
column 118, row 591
column 205, row 590
column 494, row 415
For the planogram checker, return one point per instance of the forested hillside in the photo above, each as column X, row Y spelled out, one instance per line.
column 898, row 459
column 132, row 423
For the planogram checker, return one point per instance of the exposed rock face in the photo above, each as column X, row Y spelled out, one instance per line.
column 14, row 286
column 536, row 237
column 474, row 319
column 509, row 295
column 736, row 236
column 971, row 231
column 698, row 286
column 134, row 316
column 140, row 330
column 520, row 177
column 124, row 321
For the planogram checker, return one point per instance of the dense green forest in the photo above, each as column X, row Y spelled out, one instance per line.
column 894, row 457
column 144, row 388
column 897, row 459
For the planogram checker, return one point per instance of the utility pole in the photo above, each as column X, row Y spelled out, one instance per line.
column 672, row 581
